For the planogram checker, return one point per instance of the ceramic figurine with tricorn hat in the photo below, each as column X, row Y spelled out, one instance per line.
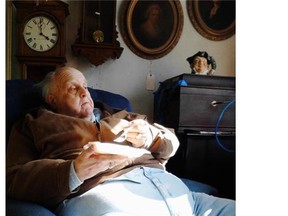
column 202, row 63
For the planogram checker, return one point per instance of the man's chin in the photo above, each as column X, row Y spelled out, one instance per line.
column 87, row 112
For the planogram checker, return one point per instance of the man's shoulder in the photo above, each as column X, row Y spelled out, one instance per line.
column 36, row 111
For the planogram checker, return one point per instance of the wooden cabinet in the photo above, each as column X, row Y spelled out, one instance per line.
column 201, row 109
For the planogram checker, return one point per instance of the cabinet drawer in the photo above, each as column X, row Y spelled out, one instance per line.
column 197, row 110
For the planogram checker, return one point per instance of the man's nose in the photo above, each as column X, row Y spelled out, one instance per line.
column 83, row 92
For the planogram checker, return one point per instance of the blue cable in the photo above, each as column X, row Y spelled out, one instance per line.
column 217, row 124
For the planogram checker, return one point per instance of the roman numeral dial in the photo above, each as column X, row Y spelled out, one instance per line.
column 40, row 33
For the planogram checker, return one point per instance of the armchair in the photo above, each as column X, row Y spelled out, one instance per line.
column 21, row 96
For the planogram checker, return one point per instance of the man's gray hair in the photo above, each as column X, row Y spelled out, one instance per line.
column 46, row 84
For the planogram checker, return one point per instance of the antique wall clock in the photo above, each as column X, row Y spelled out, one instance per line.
column 41, row 36
column 97, row 39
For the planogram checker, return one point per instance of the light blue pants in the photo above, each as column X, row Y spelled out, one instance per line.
column 145, row 192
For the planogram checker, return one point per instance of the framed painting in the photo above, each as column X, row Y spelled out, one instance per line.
column 151, row 29
column 214, row 20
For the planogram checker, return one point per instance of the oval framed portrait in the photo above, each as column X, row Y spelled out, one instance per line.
column 215, row 19
column 151, row 29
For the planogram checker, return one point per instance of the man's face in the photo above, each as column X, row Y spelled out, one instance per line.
column 71, row 96
column 200, row 64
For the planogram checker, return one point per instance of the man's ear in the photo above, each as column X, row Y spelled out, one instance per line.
column 51, row 100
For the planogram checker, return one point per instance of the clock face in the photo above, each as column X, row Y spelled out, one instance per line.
column 40, row 33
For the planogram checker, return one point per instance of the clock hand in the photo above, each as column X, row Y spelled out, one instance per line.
column 40, row 26
column 46, row 37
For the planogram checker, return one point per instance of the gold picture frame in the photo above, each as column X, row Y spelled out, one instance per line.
column 214, row 20
column 151, row 29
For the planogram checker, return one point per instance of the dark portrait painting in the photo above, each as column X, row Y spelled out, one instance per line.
column 151, row 28
column 213, row 19
column 217, row 14
column 152, row 23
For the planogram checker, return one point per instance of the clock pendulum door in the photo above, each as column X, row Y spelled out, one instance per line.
column 98, row 34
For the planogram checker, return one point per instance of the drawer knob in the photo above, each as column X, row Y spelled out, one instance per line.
column 215, row 103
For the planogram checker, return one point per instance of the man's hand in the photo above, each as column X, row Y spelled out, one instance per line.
column 138, row 133
column 89, row 163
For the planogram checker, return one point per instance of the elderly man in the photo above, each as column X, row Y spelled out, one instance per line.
column 54, row 159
